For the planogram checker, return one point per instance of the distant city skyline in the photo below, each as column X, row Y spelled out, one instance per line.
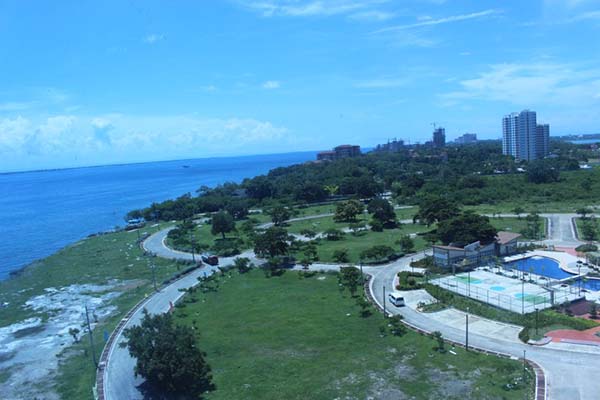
column 120, row 82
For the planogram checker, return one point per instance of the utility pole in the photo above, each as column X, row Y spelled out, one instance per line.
column 192, row 244
column 154, row 276
column 384, row 312
column 467, row 330
column 87, row 318
column 362, row 276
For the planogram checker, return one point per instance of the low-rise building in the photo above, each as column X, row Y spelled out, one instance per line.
column 476, row 253
column 342, row 151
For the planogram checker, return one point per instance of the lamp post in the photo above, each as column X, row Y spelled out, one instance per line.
column 523, row 296
column 192, row 244
column 536, row 320
column 467, row 330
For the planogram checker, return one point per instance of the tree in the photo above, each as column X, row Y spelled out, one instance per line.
column 309, row 233
column 341, row 256
column 466, row 228
column 279, row 214
column 357, row 227
column 396, row 326
column 542, row 171
column 347, row 211
column 382, row 211
column 518, row 210
column 168, row 357
column 350, row 278
column 272, row 243
column 377, row 253
column 75, row 333
column 406, row 243
column 437, row 336
column 222, row 223
column 331, row 189
column 310, row 251
column 534, row 226
column 243, row 264
column 334, row 234
column 589, row 229
column 583, row 212
column 434, row 209
column 364, row 305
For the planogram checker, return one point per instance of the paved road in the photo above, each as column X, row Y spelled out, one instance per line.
column 570, row 375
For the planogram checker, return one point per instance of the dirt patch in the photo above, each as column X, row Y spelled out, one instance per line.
column 449, row 384
column 29, row 348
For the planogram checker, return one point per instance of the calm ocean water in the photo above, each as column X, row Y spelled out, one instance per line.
column 41, row 212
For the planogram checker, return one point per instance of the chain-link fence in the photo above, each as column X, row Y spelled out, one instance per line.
column 521, row 297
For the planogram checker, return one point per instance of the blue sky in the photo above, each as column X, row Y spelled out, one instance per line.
column 98, row 82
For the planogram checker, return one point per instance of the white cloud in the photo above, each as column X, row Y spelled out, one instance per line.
column 271, row 85
column 445, row 20
column 13, row 133
column 531, row 85
column 372, row 15
column 153, row 38
column 126, row 138
column 305, row 8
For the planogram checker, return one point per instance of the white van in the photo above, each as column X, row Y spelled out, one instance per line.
column 396, row 299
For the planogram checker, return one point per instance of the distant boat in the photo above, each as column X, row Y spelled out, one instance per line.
column 186, row 166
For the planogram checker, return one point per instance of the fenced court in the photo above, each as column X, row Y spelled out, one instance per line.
column 505, row 292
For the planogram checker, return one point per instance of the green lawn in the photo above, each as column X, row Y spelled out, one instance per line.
column 306, row 340
column 95, row 260
column 513, row 224
column 355, row 244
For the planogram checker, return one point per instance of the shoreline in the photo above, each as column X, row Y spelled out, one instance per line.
column 20, row 270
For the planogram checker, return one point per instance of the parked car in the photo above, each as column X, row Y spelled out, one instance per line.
column 210, row 259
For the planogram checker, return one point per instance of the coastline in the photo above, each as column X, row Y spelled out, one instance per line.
column 47, row 211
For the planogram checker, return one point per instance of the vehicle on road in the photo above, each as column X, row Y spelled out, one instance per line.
column 396, row 299
column 210, row 259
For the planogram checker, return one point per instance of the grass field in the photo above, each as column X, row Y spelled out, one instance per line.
column 305, row 339
column 513, row 224
column 355, row 244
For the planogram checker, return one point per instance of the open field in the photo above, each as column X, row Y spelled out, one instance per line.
column 513, row 224
column 307, row 340
column 355, row 244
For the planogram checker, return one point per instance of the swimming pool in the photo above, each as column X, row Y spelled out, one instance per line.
column 589, row 284
column 543, row 266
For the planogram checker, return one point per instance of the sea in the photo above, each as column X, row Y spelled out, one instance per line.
column 43, row 211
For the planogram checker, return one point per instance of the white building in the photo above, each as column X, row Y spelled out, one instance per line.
column 523, row 138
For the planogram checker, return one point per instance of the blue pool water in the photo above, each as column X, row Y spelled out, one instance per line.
column 497, row 288
column 589, row 284
column 540, row 266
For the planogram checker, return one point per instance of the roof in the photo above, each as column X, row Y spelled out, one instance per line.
column 504, row 237
column 448, row 247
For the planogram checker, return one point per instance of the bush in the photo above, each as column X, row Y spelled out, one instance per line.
column 584, row 248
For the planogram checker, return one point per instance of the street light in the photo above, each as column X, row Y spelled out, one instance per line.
column 467, row 330
column 192, row 244
column 536, row 320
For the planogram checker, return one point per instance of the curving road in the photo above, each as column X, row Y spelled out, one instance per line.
column 570, row 374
